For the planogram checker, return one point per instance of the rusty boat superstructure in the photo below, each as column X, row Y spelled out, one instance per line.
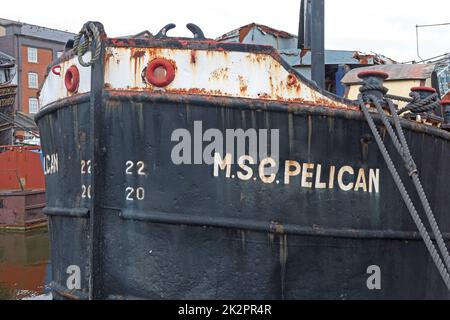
column 22, row 185
column 7, row 97
column 128, row 222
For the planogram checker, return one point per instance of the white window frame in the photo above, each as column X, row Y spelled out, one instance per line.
column 33, row 80
column 32, row 55
column 35, row 103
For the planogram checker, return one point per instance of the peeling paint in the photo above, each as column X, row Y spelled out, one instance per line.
column 212, row 71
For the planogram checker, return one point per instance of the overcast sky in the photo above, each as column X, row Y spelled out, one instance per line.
column 382, row 26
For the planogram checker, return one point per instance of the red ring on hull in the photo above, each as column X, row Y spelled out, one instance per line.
column 160, row 63
column 56, row 70
column 72, row 79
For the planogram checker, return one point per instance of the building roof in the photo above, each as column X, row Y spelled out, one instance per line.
column 395, row 71
column 254, row 33
column 240, row 33
column 32, row 30
column 296, row 57
column 287, row 44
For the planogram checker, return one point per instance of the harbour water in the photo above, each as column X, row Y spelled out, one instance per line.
column 25, row 267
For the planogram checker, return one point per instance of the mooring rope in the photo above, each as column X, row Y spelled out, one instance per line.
column 84, row 40
column 399, row 98
column 401, row 145
column 416, row 104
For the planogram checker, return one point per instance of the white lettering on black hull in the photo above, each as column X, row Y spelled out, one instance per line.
column 305, row 175
column 51, row 164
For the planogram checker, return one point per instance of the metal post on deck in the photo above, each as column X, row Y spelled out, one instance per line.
column 304, row 29
column 318, row 42
column 311, row 36
column 96, row 156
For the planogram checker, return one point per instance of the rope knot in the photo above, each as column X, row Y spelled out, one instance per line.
column 88, row 38
column 421, row 105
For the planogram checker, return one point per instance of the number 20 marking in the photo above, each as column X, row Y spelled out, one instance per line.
column 135, row 194
column 86, row 192
column 140, row 168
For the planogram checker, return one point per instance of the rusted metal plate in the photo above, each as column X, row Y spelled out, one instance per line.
column 22, row 210
column 54, row 87
column 201, row 68
column 21, row 169
column 212, row 73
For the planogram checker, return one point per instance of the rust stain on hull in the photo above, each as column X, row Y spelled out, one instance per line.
column 193, row 57
column 220, row 74
column 243, row 85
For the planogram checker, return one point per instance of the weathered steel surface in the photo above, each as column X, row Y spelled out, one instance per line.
column 54, row 87
column 21, row 169
column 229, row 70
column 211, row 73
column 69, row 236
column 150, row 255
column 22, row 188
column 22, row 210
column 164, row 231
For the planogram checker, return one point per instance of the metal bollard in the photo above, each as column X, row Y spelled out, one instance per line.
column 373, row 83
column 425, row 92
column 446, row 110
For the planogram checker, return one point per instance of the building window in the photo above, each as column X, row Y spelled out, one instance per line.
column 33, row 82
column 32, row 55
column 33, row 105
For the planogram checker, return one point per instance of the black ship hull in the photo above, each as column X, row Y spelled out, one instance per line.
column 203, row 237
column 188, row 232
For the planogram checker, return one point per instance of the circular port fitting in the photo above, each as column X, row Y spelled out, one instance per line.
column 373, row 74
column 292, row 80
column 160, row 72
column 56, row 70
column 72, row 79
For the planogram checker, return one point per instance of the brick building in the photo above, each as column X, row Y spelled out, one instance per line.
column 33, row 48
